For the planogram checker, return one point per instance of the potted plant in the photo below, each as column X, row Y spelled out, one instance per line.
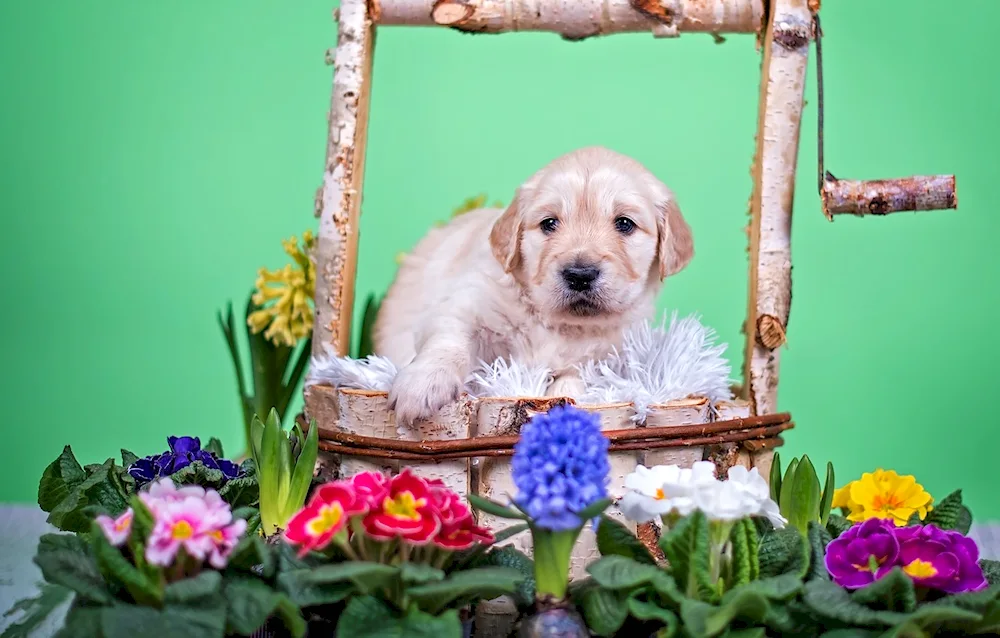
column 735, row 569
column 560, row 468
column 395, row 555
column 175, row 562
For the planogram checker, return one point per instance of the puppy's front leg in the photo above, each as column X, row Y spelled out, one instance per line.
column 436, row 376
column 567, row 384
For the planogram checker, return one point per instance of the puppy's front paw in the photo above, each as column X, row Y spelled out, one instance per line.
column 566, row 385
column 420, row 391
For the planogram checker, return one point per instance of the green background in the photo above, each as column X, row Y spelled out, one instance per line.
column 154, row 154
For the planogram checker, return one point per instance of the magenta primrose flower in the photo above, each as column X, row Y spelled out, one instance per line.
column 940, row 559
column 933, row 558
column 863, row 553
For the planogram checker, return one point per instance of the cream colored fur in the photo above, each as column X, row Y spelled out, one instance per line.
column 492, row 282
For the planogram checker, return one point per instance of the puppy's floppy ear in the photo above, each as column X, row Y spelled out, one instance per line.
column 675, row 246
column 505, row 237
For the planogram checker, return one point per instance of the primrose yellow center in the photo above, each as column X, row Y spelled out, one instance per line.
column 329, row 517
column 123, row 524
column 216, row 536
column 404, row 506
column 182, row 531
column 886, row 502
column 659, row 494
column 920, row 569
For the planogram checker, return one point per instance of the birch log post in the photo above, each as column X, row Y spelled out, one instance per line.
column 577, row 19
column 783, row 73
column 725, row 410
column 338, row 202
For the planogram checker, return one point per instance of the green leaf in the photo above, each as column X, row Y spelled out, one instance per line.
column 508, row 556
column 828, row 489
column 214, row 446
column 251, row 552
column 69, row 515
column 604, row 610
column 269, row 476
column 774, row 481
column 65, row 560
column 749, row 603
column 620, row 572
column 494, row 508
column 298, row 586
column 686, row 547
column 945, row 514
column 466, row 586
column 830, row 602
column 819, row 538
column 241, row 492
column 837, row 525
column 302, row 475
column 251, row 602
column 143, row 589
column 892, row 592
column 128, row 458
column 419, row 573
column 991, row 570
column 366, row 577
column 648, row 611
column 58, row 479
column 785, row 496
column 368, row 617
column 34, row 612
column 753, row 546
column 285, row 463
column 191, row 590
column 509, row 532
column 197, row 473
column 82, row 621
column 783, row 551
column 614, row 539
column 365, row 342
column 741, row 553
column 594, row 509
column 964, row 521
column 804, row 496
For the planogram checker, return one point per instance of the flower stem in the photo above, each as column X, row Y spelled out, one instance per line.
column 552, row 553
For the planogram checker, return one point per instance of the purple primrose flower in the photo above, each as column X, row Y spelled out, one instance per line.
column 560, row 467
column 863, row 553
column 184, row 450
column 940, row 559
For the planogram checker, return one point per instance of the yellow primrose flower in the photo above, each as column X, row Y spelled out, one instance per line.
column 284, row 295
column 883, row 494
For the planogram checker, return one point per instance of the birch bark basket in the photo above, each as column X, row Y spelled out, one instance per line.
column 783, row 72
column 576, row 19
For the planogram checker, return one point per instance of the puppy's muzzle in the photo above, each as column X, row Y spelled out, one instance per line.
column 580, row 277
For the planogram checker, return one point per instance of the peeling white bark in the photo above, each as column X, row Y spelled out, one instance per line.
column 338, row 202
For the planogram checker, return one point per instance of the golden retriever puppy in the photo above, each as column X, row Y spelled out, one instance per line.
column 577, row 257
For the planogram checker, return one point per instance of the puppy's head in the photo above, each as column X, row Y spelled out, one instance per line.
column 591, row 236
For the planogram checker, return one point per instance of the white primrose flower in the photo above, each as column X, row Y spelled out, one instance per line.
column 663, row 489
column 754, row 485
column 725, row 502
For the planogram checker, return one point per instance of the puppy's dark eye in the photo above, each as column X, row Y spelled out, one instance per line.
column 624, row 225
column 549, row 225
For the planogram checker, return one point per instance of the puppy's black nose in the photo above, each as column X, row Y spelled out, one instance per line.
column 580, row 278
